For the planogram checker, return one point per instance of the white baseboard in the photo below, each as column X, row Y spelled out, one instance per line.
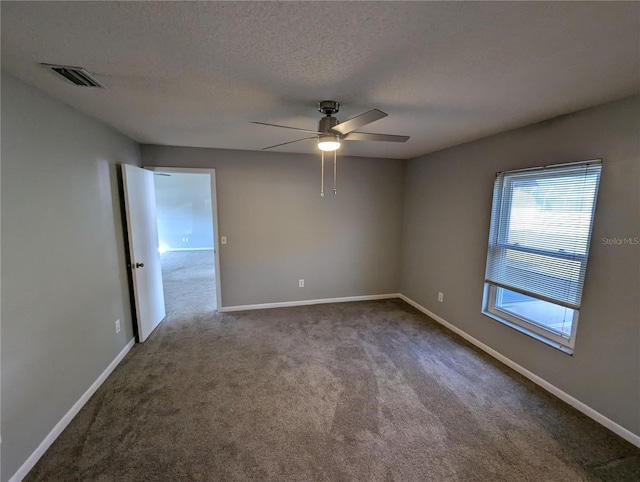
column 565, row 397
column 284, row 304
column 73, row 411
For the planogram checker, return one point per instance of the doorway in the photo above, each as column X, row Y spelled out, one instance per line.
column 187, row 232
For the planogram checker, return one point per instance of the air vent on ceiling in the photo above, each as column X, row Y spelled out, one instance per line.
column 75, row 75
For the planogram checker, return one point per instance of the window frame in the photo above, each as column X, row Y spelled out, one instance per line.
column 490, row 293
column 528, row 327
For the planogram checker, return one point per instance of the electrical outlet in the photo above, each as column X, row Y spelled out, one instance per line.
column 440, row 297
column 300, row 283
column 117, row 326
column 223, row 240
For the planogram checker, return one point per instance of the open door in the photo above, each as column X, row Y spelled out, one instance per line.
column 140, row 207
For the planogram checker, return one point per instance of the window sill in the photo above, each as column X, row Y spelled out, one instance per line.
column 521, row 329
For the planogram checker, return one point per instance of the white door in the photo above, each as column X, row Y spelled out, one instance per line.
column 140, row 205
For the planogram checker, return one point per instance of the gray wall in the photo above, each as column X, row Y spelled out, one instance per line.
column 279, row 229
column 445, row 234
column 63, row 267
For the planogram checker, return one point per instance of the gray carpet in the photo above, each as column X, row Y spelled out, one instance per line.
column 189, row 281
column 367, row 391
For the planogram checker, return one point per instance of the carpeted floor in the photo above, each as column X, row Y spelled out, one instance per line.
column 366, row 391
column 189, row 281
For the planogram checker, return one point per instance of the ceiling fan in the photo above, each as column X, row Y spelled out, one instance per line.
column 331, row 133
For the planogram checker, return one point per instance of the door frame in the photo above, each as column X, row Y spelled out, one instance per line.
column 214, row 214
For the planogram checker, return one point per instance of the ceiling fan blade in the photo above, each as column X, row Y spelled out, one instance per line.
column 290, row 142
column 365, row 136
column 359, row 121
column 286, row 127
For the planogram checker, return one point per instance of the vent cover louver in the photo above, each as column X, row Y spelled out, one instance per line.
column 75, row 75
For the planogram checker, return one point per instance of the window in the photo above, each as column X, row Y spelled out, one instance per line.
column 541, row 222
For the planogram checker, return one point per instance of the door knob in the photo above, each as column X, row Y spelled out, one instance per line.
column 139, row 265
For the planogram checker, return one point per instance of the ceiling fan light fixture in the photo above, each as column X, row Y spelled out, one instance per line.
column 328, row 142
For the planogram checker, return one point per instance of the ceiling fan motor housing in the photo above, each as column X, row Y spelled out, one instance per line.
column 326, row 123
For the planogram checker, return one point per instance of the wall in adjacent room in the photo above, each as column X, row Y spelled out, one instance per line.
column 280, row 230
column 64, row 280
column 445, row 235
column 183, row 206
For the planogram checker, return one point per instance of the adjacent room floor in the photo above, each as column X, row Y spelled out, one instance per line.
column 189, row 281
column 365, row 391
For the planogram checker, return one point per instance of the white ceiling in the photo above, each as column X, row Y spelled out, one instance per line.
column 197, row 73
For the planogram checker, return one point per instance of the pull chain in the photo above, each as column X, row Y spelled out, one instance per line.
column 335, row 172
column 322, row 177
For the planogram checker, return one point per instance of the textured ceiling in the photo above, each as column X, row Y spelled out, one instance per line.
column 197, row 73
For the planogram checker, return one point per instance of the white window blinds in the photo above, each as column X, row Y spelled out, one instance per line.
column 541, row 223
